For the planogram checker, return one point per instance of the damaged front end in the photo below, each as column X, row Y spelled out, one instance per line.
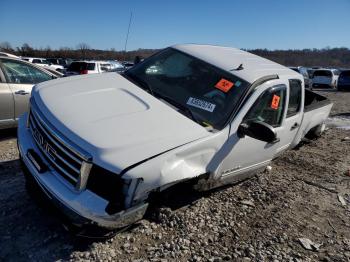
column 104, row 201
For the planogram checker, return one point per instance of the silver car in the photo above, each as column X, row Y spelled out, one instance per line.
column 17, row 79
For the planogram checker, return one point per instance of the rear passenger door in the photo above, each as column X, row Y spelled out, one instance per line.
column 294, row 116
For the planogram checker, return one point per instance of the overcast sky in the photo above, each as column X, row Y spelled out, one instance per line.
column 271, row 24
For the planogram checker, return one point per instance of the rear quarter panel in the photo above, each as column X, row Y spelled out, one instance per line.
column 313, row 118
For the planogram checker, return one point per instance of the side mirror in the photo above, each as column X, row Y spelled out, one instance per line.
column 258, row 130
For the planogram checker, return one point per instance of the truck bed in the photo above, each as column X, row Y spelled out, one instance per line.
column 313, row 101
column 316, row 111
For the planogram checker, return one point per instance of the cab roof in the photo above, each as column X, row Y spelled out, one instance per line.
column 229, row 59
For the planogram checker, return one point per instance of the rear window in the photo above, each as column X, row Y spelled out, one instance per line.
column 345, row 74
column 323, row 73
column 79, row 66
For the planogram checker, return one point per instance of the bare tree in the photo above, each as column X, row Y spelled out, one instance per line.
column 6, row 47
column 83, row 47
column 48, row 52
column 26, row 50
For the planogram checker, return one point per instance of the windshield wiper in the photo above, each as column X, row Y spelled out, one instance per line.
column 140, row 82
column 177, row 105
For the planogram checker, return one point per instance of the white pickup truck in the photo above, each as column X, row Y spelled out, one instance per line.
column 99, row 146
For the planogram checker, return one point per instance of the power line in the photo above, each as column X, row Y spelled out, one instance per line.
column 127, row 35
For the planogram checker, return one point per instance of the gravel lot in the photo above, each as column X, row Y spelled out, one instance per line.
column 261, row 219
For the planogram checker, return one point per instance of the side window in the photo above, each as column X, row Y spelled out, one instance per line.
column 269, row 107
column 294, row 97
column 90, row 66
column 20, row 73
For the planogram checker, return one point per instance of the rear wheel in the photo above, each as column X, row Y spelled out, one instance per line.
column 316, row 131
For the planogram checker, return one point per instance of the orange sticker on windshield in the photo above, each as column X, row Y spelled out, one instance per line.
column 275, row 102
column 224, row 85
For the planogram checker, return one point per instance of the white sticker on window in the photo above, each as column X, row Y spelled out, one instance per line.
column 201, row 104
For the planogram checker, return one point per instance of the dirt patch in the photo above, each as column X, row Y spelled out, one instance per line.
column 259, row 219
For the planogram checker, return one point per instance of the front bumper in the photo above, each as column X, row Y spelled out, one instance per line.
column 82, row 208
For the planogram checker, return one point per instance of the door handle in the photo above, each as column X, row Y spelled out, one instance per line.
column 294, row 126
column 21, row 92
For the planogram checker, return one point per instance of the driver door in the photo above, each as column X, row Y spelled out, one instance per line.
column 248, row 154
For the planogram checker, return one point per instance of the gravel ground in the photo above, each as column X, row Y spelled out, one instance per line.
column 261, row 219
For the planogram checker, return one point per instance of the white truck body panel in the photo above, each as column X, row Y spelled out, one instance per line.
column 228, row 59
column 129, row 124
column 149, row 143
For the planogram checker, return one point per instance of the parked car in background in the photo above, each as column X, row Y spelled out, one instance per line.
column 344, row 81
column 116, row 66
column 43, row 62
column 113, row 66
column 8, row 55
column 87, row 67
column 17, row 78
column 54, row 72
column 325, row 78
column 101, row 148
column 303, row 71
column 36, row 60
column 65, row 62
column 128, row 64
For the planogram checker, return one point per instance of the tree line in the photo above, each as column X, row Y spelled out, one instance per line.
column 326, row 57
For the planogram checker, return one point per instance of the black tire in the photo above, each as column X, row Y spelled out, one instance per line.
column 316, row 131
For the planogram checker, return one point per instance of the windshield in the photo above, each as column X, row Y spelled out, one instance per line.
column 201, row 91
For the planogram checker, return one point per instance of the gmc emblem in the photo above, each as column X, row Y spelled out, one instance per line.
column 44, row 144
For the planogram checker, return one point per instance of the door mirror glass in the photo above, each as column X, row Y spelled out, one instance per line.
column 258, row 130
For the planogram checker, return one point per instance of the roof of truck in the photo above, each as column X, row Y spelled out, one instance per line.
column 228, row 59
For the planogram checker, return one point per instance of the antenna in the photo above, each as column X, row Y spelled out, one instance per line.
column 127, row 35
column 240, row 67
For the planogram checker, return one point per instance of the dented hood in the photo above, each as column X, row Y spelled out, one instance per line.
column 115, row 121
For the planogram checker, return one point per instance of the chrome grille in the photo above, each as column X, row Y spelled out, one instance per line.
column 71, row 164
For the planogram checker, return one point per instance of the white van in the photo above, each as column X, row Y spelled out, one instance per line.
column 325, row 78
